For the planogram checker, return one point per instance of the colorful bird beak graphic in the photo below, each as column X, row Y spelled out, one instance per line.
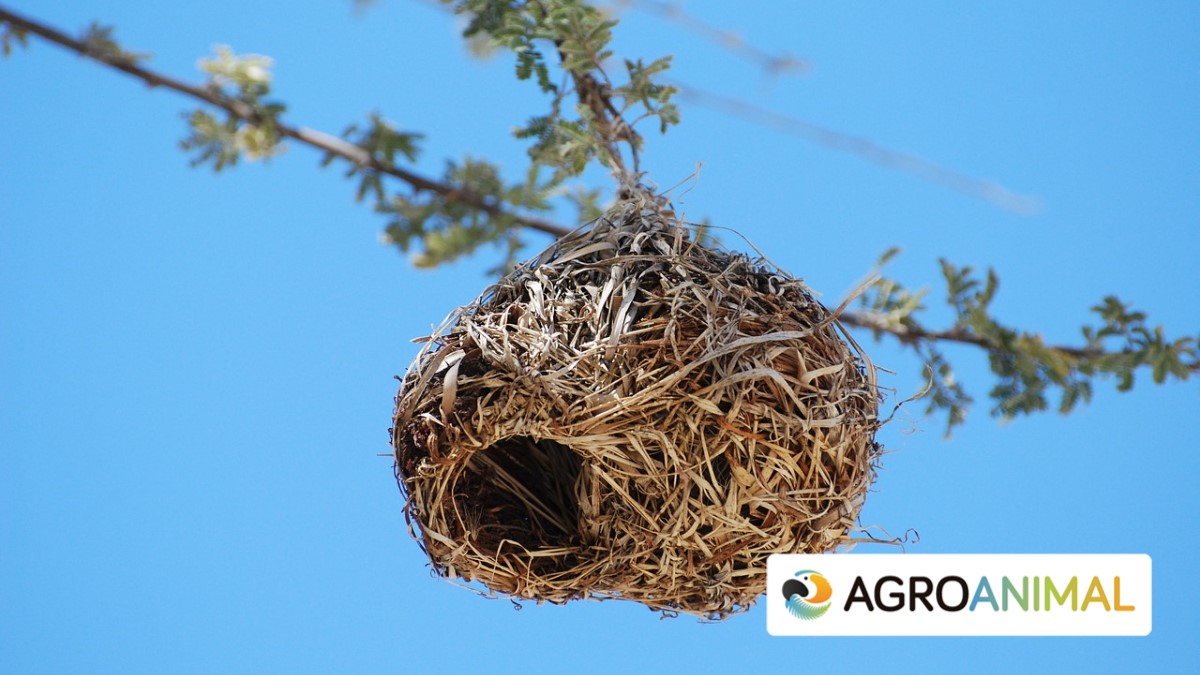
column 807, row 594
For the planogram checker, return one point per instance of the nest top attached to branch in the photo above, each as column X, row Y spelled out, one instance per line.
column 635, row 415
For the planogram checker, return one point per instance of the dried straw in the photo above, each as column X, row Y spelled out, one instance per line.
column 635, row 415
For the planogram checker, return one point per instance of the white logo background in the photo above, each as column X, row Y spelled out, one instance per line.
column 841, row 570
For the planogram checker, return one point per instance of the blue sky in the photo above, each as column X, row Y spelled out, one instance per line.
column 196, row 371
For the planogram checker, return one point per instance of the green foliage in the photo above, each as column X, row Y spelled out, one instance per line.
column 10, row 35
column 585, row 124
column 475, row 206
column 891, row 304
column 250, row 128
column 384, row 146
column 1028, row 371
column 248, row 75
column 580, row 35
column 100, row 43
column 447, row 228
column 943, row 389
column 654, row 98
column 893, row 309
column 1123, row 343
column 442, row 227
column 214, row 142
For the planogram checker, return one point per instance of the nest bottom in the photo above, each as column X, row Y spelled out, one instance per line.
column 555, row 519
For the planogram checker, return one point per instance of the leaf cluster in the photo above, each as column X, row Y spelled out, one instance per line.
column 100, row 43
column 250, row 126
column 441, row 225
column 447, row 229
column 1137, row 345
column 479, row 205
column 590, row 116
column 384, row 146
column 562, row 46
column 1028, row 370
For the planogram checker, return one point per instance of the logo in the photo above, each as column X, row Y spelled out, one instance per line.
column 808, row 595
column 959, row 594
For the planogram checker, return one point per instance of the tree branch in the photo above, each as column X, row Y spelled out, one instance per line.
column 771, row 64
column 322, row 141
column 609, row 125
column 596, row 95
column 863, row 147
column 912, row 335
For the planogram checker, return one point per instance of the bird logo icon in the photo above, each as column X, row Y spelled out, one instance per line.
column 808, row 595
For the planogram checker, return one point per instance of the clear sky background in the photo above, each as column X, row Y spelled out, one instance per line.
column 196, row 371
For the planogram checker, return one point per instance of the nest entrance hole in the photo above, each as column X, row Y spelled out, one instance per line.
column 523, row 490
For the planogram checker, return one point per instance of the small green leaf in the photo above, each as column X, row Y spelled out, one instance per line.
column 99, row 42
column 10, row 35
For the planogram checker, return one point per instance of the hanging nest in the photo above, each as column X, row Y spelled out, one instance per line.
column 635, row 415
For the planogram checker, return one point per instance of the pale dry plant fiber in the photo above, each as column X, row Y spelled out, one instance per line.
column 635, row 415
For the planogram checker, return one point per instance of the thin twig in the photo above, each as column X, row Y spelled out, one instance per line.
column 772, row 64
column 865, row 148
column 321, row 141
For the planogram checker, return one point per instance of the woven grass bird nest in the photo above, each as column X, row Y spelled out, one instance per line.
column 635, row 415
